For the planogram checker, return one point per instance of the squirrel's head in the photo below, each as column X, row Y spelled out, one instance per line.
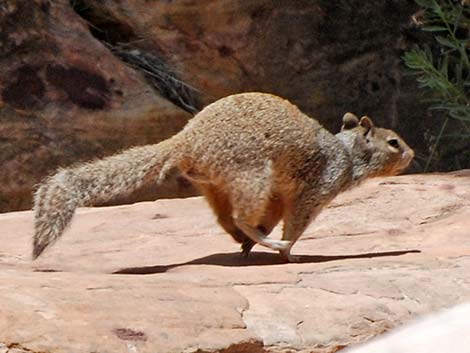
column 375, row 151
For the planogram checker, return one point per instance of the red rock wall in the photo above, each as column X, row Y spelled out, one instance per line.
column 66, row 97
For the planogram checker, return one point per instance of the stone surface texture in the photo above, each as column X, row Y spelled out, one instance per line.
column 162, row 277
column 64, row 97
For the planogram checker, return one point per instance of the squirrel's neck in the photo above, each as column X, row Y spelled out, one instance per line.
column 358, row 157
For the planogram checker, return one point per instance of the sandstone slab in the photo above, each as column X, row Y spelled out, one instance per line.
column 163, row 277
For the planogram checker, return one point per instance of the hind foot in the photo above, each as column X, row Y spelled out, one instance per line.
column 287, row 256
column 291, row 258
column 246, row 247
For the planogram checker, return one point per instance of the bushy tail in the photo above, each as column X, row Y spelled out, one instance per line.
column 57, row 198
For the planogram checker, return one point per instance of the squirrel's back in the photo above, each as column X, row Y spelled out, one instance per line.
column 243, row 130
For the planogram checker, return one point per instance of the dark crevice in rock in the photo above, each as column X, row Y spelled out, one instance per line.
column 252, row 346
column 127, row 334
column 160, row 76
column 83, row 88
column 103, row 26
column 122, row 41
column 26, row 89
column 19, row 348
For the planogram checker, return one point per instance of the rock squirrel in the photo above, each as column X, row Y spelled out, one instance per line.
column 255, row 157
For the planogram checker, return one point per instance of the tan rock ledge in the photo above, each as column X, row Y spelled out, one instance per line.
column 163, row 277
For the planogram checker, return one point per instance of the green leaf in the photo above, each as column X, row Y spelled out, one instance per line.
column 444, row 67
column 446, row 42
column 460, row 115
column 459, row 73
column 434, row 28
column 425, row 3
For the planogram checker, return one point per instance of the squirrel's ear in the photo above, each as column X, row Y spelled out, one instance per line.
column 350, row 121
column 367, row 124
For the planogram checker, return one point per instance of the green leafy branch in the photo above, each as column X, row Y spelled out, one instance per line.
column 444, row 68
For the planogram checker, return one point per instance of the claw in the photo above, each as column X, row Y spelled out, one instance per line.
column 288, row 257
column 292, row 258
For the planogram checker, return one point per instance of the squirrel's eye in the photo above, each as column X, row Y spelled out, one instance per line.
column 394, row 143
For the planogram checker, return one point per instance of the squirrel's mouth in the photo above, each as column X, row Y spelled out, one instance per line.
column 405, row 160
column 407, row 157
column 402, row 161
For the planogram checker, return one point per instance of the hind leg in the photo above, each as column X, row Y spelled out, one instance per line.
column 271, row 217
column 254, row 209
column 222, row 207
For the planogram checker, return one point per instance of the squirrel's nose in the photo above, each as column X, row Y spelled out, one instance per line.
column 408, row 155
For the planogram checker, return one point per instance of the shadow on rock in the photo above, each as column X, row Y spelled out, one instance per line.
column 235, row 259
